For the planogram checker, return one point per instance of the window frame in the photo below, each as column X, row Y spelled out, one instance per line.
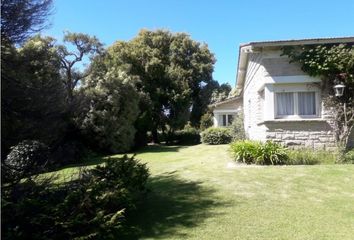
column 226, row 119
column 296, row 105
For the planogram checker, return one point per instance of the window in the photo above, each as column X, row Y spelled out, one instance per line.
column 230, row 118
column 226, row 119
column 285, row 104
column 296, row 104
column 307, row 103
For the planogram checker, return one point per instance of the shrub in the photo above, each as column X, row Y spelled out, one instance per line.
column 189, row 135
column 347, row 157
column 309, row 157
column 91, row 207
column 237, row 128
column 206, row 121
column 25, row 159
column 245, row 151
column 268, row 153
column 271, row 153
column 216, row 136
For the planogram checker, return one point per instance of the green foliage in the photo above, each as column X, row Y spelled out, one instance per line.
column 271, row 153
column 221, row 93
column 206, row 121
column 33, row 95
column 310, row 157
column 93, row 206
column 21, row 18
column 347, row 157
column 237, row 128
column 25, row 159
column 169, row 69
column 245, row 151
column 187, row 136
column 108, row 120
column 83, row 46
column 215, row 136
column 268, row 153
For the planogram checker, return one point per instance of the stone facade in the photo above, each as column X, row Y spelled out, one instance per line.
column 316, row 134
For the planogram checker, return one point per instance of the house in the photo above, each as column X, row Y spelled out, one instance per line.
column 279, row 101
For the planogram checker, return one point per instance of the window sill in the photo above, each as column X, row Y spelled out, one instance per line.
column 289, row 120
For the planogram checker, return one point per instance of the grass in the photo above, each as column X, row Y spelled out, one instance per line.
column 197, row 193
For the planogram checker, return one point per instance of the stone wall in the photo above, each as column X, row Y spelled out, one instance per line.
column 298, row 134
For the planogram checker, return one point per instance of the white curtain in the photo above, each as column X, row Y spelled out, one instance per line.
column 307, row 103
column 285, row 104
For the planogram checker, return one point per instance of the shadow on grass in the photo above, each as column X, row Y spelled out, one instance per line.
column 172, row 204
column 160, row 149
column 94, row 160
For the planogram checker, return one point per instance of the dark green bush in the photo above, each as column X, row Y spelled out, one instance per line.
column 188, row 136
column 216, row 136
column 25, row 159
column 92, row 207
column 268, row 153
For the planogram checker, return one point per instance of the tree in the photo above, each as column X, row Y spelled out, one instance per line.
column 108, row 120
column 85, row 46
column 221, row 92
column 334, row 64
column 171, row 69
column 21, row 18
column 32, row 93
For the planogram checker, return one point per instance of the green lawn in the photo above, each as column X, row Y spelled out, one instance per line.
column 197, row 194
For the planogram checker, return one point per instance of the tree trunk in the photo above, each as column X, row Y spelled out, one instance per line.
column 155, row 137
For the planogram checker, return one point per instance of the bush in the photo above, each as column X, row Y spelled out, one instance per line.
column 91, row 207
column 206, row 121
column 268, row 153
column 237, row 128
column 271, row 153
column 216, row 136
column 310, row 157
column 25, row 159
column 245, row 151
column 347, row 157
column 189, row 135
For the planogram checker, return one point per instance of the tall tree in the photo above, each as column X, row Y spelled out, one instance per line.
column 83, row 46
column 171, row 69
column 32, row 93
column 108, row 119
column 22, row 18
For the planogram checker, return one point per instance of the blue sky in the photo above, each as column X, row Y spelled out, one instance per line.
column 222, row 24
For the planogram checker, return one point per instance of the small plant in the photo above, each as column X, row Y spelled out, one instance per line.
column 271, row 153
column 245, row 151
column 268, row 153
column 347, row 157
column 215, row 136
